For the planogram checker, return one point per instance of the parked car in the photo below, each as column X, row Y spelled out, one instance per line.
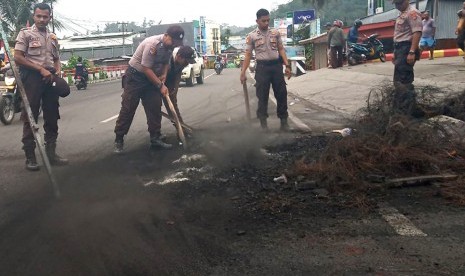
column 193, row 72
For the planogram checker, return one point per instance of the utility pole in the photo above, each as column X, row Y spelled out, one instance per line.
column 123, row 26
column 417, row 4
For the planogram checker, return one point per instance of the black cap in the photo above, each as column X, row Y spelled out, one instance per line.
column 187, row 53
column 177, row 34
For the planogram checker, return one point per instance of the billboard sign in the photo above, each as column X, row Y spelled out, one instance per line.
column 301, row 17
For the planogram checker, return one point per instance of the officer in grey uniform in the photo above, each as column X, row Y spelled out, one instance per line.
column 184, row 56
column 407, row 36
column 144, row 80
column 270, row 56
column 36, row 54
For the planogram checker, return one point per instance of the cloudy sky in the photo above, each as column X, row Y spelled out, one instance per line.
column 83, row 15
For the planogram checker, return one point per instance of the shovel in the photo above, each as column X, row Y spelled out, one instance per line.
column 176, row 121
column 246, row 97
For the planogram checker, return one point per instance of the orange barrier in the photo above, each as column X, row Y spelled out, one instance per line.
column 437, row 54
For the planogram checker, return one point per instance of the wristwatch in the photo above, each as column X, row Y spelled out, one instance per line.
column 160, row 85
column 411, row 52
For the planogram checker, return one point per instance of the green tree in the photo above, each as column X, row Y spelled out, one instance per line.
column 16, row 13
column 225, row 37
column 73, row 60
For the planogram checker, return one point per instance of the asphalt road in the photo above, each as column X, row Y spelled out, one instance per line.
column 106, row 199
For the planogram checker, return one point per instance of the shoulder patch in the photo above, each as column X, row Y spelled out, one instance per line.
column 153, row 50
column 53, row 36
column 247, row 40
column 413, row 15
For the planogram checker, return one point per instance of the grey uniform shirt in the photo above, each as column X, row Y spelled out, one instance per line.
column 151, row 53
column 265, row 43
column 40, row 48
column 408, row 22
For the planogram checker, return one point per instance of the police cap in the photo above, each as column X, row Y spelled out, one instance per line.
column 176, row 33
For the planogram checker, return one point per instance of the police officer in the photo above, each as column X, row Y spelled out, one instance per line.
column 270, row 56
column 36, row 53
column 179, row 60
column 407, row 36
column 144, row 81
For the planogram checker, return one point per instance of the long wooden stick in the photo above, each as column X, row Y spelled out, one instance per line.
column 178, row 124
column 246, row 97
column 186, row 127
column 32, row 123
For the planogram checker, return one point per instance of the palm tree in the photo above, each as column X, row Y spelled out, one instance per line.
column 16, row 13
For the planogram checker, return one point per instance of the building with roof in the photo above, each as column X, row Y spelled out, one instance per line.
column 204, row 35
column 98, row 46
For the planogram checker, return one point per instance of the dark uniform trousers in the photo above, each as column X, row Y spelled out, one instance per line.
column 270, row 73
column 404, row 98
column 136, row 88
column 38, row 92
column 461, row 40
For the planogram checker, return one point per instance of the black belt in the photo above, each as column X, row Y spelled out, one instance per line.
column 402, row 43
column 268, row 62
column 134, row 71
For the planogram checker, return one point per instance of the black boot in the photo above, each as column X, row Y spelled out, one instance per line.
column 157, row 143
column 31, row 161
column 284, row 125
column 119, row 145
column 53, row 157
column 263, row 124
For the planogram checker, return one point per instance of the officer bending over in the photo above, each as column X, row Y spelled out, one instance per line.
column 144, row 81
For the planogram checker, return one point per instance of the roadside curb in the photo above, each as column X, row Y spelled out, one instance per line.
column 425, row 54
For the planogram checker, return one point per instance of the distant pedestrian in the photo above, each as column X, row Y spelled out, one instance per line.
column 328, row 26
column 427, row 41
column 460, row 30
column 407, row 34
column 270, row 56
column 353, row 32
column 336, row 43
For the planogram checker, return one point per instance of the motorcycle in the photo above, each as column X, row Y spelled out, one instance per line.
column 10, row 102
column 371, row 48
column 218, row 67
column 80, row 82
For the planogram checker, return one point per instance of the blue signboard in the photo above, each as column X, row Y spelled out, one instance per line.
column 303, row 16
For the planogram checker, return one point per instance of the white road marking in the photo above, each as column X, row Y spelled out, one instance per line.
column 209, row 75
column 299, row 123
column 401, row 224
column 116, row 116
column 109, row 119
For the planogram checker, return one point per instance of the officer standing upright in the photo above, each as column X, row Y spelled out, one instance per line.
column 407, row 36
column 270, row 56
column 144, row 80
column 36, row 54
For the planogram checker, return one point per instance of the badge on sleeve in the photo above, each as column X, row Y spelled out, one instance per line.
column 153, row 50
column 53, row 36
column 247, row 40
